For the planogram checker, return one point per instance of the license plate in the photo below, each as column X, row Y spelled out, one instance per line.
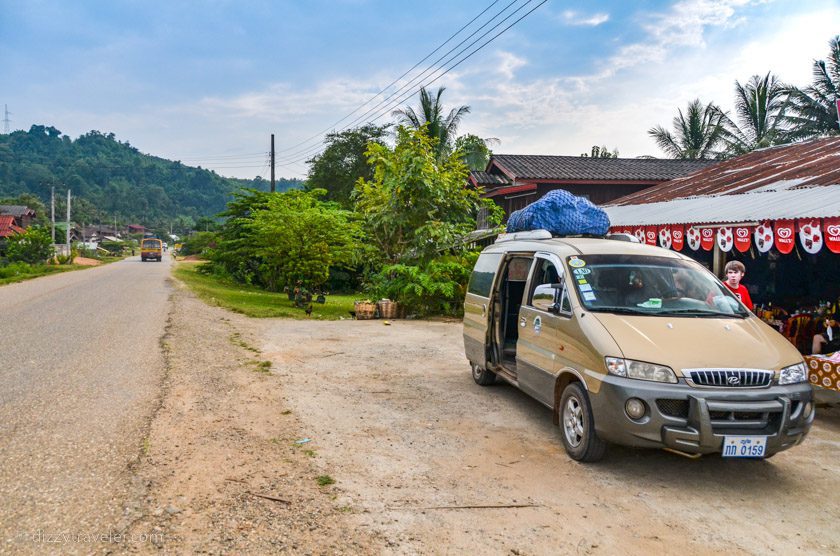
column 744, row 446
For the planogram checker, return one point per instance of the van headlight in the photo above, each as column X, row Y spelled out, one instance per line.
column 794, row 374
column 640, row 370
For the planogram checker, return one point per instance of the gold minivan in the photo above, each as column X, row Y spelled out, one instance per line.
column 151, row 249
column 634, row 345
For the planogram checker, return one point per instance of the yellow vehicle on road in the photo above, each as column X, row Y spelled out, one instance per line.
column 151, row 249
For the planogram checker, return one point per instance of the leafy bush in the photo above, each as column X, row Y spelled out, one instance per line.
column 113, row 247
column 198, row 243
column 33, row 246
column 15, row 269
column 435, row 288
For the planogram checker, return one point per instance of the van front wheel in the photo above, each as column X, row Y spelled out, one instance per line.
column 578, row 426
column 481, row 376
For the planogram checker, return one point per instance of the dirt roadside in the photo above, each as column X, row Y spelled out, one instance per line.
column 425, row 461
column 221, row 471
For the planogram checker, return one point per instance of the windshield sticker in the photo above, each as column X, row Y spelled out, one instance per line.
column 589, row 296
column 581, row 271
column 581, row 281
column 574, row 262
column 585, row 288
column 652, row 303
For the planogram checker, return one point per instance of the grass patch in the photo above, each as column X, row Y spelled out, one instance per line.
column 325, row 480
column 286, row 412
column 263, row 366
column 236, row 339
column 36, row 271
column 255, row 302
column 310, row 453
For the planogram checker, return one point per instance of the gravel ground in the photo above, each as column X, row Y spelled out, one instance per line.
column 433, row 462
column 81, row 371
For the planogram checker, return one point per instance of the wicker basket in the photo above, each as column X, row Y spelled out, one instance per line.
column 365, row 310
column 388, row 309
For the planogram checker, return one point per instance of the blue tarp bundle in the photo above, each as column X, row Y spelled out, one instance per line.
column 561, row 213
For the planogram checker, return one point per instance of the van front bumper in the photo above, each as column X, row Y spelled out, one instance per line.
column 696, row 420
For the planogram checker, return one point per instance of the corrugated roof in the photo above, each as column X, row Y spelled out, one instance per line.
column 800, row 165
column 810, row 202
column 486, row 178
column 512, row 189
column 16, row 210
column 8, row 226
column 544, row 167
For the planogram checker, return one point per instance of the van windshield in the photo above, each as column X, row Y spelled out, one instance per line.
column 644, row 285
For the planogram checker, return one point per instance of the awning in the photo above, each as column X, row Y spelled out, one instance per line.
column 809, row 202
column 512, row 190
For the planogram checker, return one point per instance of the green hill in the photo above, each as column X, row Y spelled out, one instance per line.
column 108, row 177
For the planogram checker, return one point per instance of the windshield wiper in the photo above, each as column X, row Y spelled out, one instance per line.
column 620, row 310
column 700, row 313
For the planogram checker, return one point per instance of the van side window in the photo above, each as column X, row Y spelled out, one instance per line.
column 482, row 276
column 542, row 295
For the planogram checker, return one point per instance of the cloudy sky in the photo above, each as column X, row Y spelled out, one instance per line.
column 208, row 82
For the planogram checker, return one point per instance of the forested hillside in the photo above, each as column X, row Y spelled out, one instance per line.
column 111, row 178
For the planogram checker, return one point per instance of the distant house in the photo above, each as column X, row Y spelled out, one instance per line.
column 515, row 181
column 22, row 214
column 8, row 227
column 136, row 229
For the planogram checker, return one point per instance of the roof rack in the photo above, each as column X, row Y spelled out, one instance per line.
column 545, row 234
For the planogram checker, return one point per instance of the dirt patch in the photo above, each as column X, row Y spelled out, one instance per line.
column 224, row 466
column 84, row 261
column 436, row 464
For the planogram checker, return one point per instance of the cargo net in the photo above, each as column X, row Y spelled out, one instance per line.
column 562, row 214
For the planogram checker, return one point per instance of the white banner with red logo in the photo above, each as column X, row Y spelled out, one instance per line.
column 810, row 236
column 665, row 237
column 831, row 226
column 725, row 239
column 764, row 237
column 692, row 236
column 784, row 235
column 640, row 233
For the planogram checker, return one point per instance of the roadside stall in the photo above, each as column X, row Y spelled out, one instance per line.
column 777, row 211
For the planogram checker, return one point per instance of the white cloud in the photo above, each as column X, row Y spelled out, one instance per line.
column 571, row 17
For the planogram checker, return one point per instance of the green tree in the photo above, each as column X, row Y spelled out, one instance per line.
column 813, row 111
column 33, row 246
column 760, row 106
column 299, row 238
column 416, row 205
column 430, row 116
column 343, row 162
column 699, row 133
column 475, row 151
column 600, row 152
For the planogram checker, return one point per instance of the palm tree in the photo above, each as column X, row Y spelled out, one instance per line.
column 430, row 113
column 760, row 106
column 813, row 110
column 698, row 133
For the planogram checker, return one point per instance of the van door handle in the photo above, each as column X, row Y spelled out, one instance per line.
column 523, row 322
column 483, row 310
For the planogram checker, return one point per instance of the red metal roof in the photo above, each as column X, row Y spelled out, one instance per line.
column 512, row 189
column 8, row 226
column 814, row 163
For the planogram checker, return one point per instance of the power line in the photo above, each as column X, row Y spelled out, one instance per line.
column 389, row 85
column 311, row 148
column 302, row 155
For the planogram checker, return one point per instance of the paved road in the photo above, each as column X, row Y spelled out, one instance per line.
column 80, row 369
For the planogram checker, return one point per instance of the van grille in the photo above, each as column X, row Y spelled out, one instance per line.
column 729, row 378
column 673, row 408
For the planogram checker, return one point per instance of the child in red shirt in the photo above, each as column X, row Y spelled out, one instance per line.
column 735, row 271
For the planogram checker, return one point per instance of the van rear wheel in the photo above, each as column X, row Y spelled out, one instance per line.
column 578, row 427
column 481, row 376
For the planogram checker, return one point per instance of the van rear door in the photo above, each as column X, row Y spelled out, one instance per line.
column 477, row 308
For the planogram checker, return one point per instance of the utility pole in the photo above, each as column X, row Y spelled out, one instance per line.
column 52, row 212
column 272, row 163
column 6, row 120
column 68, row 223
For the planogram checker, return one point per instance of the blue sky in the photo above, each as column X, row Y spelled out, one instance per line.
column 207, row 82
